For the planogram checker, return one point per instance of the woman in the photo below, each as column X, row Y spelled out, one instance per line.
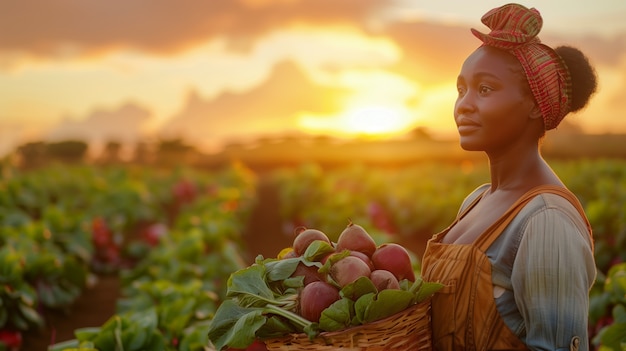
column 518, row 260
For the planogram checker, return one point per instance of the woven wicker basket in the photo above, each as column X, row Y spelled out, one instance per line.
column 404, row 331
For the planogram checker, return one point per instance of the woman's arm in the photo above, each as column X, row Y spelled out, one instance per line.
column 552, row 274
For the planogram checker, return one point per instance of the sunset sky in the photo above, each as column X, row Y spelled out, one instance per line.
column 212, row 70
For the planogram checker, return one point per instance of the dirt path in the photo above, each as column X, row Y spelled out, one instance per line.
column 264, row 233
column 94, row 307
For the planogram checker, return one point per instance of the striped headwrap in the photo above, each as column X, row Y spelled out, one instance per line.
column 514, row 28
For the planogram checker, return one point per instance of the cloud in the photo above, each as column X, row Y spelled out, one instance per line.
column 273, row 106
column 11, row 134
column 432, row 53
column 78, row 28
column 601, row 50
column 126, row 124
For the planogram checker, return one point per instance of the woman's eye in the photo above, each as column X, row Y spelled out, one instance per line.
column 483, row 89
column 460, row 90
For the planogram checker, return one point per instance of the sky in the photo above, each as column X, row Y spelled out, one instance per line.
column 218, row 71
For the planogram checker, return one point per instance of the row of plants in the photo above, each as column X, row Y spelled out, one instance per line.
column 397, row 202
column 175, row 237
column 420, row 201
column 164, row 232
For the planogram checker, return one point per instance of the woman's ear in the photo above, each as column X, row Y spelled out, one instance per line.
column 535, row 112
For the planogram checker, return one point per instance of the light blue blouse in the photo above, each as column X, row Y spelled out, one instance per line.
column 542, row 269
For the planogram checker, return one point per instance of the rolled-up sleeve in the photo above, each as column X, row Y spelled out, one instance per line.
column 552, row 274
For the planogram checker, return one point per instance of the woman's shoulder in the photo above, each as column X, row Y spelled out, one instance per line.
column 555, row 203
column 548, row 210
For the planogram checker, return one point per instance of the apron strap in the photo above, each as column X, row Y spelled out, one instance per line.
column 437, row 237
column 493, row 232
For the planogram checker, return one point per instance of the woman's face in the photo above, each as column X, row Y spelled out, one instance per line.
column 494, row 104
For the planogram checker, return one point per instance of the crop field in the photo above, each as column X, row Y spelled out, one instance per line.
column 137, row 257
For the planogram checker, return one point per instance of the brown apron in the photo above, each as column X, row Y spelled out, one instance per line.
column 464, row 313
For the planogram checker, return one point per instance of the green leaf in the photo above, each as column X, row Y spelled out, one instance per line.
column 79, row 348
column 386, row 303
column 619, row 314
column 31, row 316
column 426, row 290
column 235, row 326
column 156, row 343
column 249, row 281
column 616, row 282
column 176, row 315
column 53, row 295
column 105, row 341
column 75, row 272
column 275, row 326
column 281, row 269
column 137, row 329
column 317, row 250
column 204, row 310
column 358, row 288
column 294, row 282
column 65, row 346
column 106, row 338
column 614, row 336
column 146, row 319
column 296, row 319
column 361, row 305
column 598, row 305
column 337, row 316
column 134, row 338
column 87, row 334
column 87, row 345
column 195, row 337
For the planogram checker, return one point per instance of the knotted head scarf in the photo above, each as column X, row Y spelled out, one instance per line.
column 514, row 28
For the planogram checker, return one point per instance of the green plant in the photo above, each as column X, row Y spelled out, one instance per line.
column 612, row 299
column 18, row 300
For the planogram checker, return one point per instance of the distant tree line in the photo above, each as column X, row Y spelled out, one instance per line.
column 279, row 150
column 39, row 152
column 164, row 152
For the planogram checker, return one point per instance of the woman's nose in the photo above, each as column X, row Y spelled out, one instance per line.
column 464, row 103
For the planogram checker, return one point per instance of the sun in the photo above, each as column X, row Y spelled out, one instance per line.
column 375, row 120
column 370, row 120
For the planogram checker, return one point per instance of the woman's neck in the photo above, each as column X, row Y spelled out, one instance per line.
column 520, row 171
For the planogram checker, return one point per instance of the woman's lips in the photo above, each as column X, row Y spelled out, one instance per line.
column 467, row 126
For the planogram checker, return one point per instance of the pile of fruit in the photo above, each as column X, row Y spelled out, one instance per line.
column 317, row 286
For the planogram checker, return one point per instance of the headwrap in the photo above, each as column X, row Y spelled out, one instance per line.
column 514, row 28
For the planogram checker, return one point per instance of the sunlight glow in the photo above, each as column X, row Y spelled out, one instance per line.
column 379, row 107
column 373, row 120
column 369, row 120
column 434, row 108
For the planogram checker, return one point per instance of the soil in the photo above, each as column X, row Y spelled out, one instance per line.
column 94, row 307
column 264, row 234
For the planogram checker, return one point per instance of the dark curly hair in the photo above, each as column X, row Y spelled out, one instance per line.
column 582, row 73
